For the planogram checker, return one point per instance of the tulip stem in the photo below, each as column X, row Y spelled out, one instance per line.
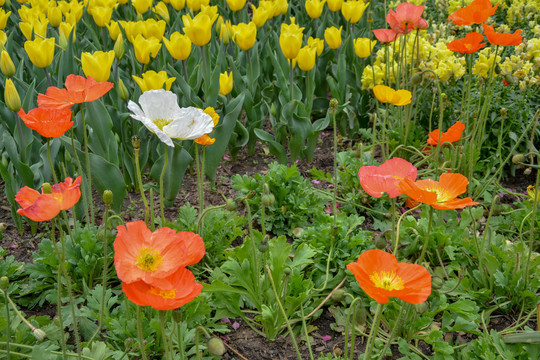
column 161, row 199
column 373, row 332
column 21, row 139
column 140, row 184
column 291, row 79
column 105, row 264
column 88, row 171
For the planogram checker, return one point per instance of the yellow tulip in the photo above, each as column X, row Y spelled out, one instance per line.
column 179, row 46
column 306, row 58
column 236, row 5
column 317, row 44
column 145, row 47
column 11, row 96
column 195, row 5
column 245, row 35
column 152, row 28
column 332, row 35
column 225, row 83
column 290, row 39
column 225, row 30
column 97, row 65
column 363, row 47
column 161, row 10
column 281, row 7
column 54, row 14
column 334, row 5
column 3, row 38
column 141, row 6
column 314, row 8
column 270, row 7
column 40, row 51
column 102, row 15
column 65, row 30
column 260, row 15
column 132, row 29
column 198, row 29
column 210, row 11
column 4, row 16
column 154, row 81
column 38, row 26
column 178, row 4
column 386, row 94
column 114, row 30
column 6, row 64
column 353, row 10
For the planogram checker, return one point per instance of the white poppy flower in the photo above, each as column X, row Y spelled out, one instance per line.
column 160, row 113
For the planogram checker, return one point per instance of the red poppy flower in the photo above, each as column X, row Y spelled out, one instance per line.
column 502, row 39
column 51, row 123
column 381, row 276
column 471, row 43
column 376, row 180
column 385, row 36
column 153, row 257
column 406, row 18
column 440, row 194
column 78, row 90
column 452, row 135
column 183, row 289
column 476, row 13
column 43, row 207
column 505, row 82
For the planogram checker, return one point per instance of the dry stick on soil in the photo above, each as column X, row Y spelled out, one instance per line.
column 235, row 351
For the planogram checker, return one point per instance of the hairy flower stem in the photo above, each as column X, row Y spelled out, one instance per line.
column 532, row 232
column 85, row 194
column 140, row 336
column 291, row 84
column 161, row 199
column 59, row 289
column 403, row 312
column 162, row 326
column 180, row 341
column 8, row 327
column 88, row 170
column 140, row 185
column 347, row 324
column 426, row 240
column 373, row 332
column 200, row 185
column 105, row 264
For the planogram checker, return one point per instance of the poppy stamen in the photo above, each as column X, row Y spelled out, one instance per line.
column 149, row 259
column 387, row 280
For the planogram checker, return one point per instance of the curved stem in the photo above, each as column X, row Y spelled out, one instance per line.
column 399, row 224
column 200, row 185
column 161, row 200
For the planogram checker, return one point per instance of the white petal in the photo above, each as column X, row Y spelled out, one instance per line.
column 159, row 104
column 192, row 124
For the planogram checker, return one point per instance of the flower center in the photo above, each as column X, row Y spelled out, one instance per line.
column 387, row 280
column 161, row 123
column 166, row 294
column 149, row 259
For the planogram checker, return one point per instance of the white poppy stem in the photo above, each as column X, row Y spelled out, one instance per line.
column 161, row 199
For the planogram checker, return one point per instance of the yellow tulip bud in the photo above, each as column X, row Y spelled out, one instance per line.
column 236, row 5
column 363, row 47
column 40, row 51
column 54, row 14
column 179, row 46
column 225, row 83
column 306, row 58
column 290, row 39
column 332, row 35
column 122, row 90
column 161, row 10
column 314, row 8
column 6, row 64
column 318, row 44
column 145, row 47
column 11, row 96
column 114, row 30
column 141, row 6
column 119, row 49
column 259, row 15
column 102, row 15
column 4, row 16
column 153, row 28
column 37, row 26
column 245, row 35
column 334, row 5
column 178, row 4
column 195, row 5
column 154, row 81
column 65, row 30
column 97, row 65
column 225, row 30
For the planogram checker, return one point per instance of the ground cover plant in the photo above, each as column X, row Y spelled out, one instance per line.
column 270, row 179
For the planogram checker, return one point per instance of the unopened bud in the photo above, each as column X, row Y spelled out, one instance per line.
column 251, row 194
column 421, row 308
column 416, row 79
column 287, row 271
column 339, row 295
column 46, row 188
column 2, row 227
column 128, row 343
column 11, row 96
column 119, row 50
column 437, row 283
column 39, row 334
column 268, row 200
column 136, row 142
column 216, row 346
column 518, row 158
column 122, row 90
column 263, row 245
column 497, row 69
column 370, row 16
column 108, row 197
column 338, row 352
column 266, row 188
column 504, row 112
column 6, row 64
column 230, row 205
column 4, row 282
column 527, row 171
column 380, row 241
column 177, row 315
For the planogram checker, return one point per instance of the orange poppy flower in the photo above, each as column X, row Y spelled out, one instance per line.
column 376, row 180
column 452, row 135
column 440, row 194
column 471, row 43
column 381, row 276
column 205, row 139
column 43, row 207
column 183, row 289
column 385, row 36
column 502, row 39
column 78, row 90
column 476, row 13
column 406, row 18
column 153, row 257
column 51, row 123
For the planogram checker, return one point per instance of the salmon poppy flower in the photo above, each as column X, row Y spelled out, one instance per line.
column 468, row 45
column 476, row 13
column 385, row 36
column 386, row 94
column 78, row 90
column 406, row 17
column 381, row 276
column 143, row 255
column 452, row 135
column 503, row 39
column 440, row 194
column 50, row 123
column 44, row 207
column 376, row 180
column 183, row 289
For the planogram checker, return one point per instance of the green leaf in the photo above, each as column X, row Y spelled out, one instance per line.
column 98, row 119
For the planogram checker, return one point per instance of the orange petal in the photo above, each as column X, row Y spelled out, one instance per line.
column 415, row 190
column 453, row 184
column 44, row 207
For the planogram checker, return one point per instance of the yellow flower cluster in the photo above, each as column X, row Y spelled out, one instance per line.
column 520, row 10
column 485, row 60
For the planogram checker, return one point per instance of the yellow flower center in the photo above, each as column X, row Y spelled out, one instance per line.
column 387, row 280
column 166, row 294
column 161, row 123
column 149, row 259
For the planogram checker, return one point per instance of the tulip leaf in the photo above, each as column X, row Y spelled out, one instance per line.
column 66, row 63
column 9, row 189
column 107, row 176
column 189, row 97
column 98, row 119
column 23, row 171
column 222, row 134
column 274, row 147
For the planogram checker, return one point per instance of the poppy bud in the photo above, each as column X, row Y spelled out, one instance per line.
column 497, row 69
column 338, row 352
column 417, row 78
column 136, row 142
column 287, row 271
column 339, row 295
column 251, row 194
column 380, row 242
column 360, row 318
column 263, row 245
column 283, row 209
column 6, row 64
column 11, row 96
column 128, row 343
column 216, row 346
column 266, row 188
column 107, row 197
column 421, row 308
column 46, row 188
column 230, row 205
column 437, row 282
column 4, row 282
column 39, row 334
column 503, row 111
column 527, row 171
column 518, row 158
column 177, row 315
column 268, row 200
